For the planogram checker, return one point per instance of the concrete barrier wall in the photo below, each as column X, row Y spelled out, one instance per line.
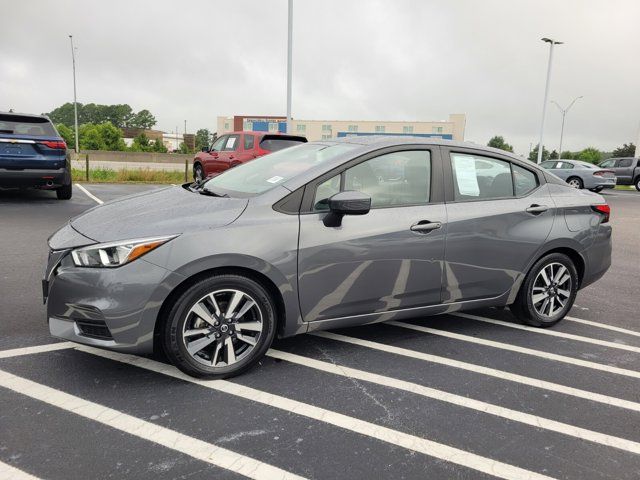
column 132, row 157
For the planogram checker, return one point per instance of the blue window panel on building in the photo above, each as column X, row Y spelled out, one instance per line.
column 445, row 136
column 260, row 126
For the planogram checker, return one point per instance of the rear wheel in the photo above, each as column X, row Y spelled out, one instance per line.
column 637, row 183
column 575, row 182
column 548, row 291
column 220, row 327
column 64, row 192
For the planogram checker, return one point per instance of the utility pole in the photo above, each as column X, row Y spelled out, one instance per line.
column 75, row 101
column 546, row 94
column 289, row 64
column 563, row 111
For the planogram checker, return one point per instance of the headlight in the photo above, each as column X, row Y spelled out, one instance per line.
column 115, row 254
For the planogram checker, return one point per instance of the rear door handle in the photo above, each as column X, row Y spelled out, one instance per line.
column 536, row 209
column 425, row 226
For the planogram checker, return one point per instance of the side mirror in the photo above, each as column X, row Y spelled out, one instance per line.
column 346, row 203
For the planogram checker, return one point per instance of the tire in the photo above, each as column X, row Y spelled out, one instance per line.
column 198, row 173
column 64, row 192
column 636, row 182
column 575, row 182
column 536, row 312
column 219, row 334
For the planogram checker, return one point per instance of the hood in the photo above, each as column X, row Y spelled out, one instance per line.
column 166, row 211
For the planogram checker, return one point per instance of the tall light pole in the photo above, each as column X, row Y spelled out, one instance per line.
column 75, row 101
column 546, row 94
column 563, row 111
column 289, row 63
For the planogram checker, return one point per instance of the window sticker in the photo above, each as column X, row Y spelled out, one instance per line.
column 231, row 142
column 275, row 179
column 466, row 176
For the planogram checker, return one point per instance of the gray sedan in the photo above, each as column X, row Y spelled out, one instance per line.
column 580, row 174
column 323, row 235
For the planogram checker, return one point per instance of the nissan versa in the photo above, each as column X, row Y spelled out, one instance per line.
column 323, row 235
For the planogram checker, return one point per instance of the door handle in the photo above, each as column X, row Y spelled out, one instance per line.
column 536, row 209
column 230, row 157
column 425, row 227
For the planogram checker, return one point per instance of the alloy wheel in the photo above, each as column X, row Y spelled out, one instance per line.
column 222, row 328
column 574, row 182
column 551, row 289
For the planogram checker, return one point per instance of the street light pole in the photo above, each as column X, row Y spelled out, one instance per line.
column 75, row 101
column 546, row 94
column 563, row 111
column 289, row 63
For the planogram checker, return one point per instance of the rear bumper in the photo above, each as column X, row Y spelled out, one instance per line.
column 600, row 182
column 34, row 178
column 598, row 256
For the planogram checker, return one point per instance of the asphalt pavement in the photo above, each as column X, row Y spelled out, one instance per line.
column 468, row 396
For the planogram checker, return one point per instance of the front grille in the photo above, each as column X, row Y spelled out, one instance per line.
column 94, row 329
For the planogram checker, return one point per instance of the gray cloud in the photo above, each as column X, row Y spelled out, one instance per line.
column 394, row 60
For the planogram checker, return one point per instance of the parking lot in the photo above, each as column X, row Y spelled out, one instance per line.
column 456, row 396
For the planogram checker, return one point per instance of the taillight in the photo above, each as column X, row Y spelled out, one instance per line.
column 601, row 173
column 603, row 209
column 57, row 144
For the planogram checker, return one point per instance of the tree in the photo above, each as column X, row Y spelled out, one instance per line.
column 67, row 133
column 589, row 154
column 203, row 139
column 141, row 144
column 64, row 114
column 533, row 156
column 103, row 136
column 183, row 148
column 553, row 156
column 142, row 119
column 498, row 142
column 158, row 146
column 627, row 150
column 567, row 155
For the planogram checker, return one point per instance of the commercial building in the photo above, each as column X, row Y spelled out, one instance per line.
column 451, row 129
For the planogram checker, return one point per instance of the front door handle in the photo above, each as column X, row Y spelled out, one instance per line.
column 536, row 209
column 425, row 226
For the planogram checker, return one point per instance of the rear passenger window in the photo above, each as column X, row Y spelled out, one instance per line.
column 625, row 162
column 524, row 180
column 476, row 177
column 248, row 142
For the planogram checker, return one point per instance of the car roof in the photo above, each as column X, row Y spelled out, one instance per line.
column 31, row 115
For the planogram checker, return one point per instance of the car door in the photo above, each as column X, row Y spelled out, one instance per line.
column 390, row 258
column 230, row 151
column 563, row 170
column 624, row 170
column 212, row 156
column 498, row 219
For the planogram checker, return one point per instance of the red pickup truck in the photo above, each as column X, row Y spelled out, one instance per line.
column 235, row 148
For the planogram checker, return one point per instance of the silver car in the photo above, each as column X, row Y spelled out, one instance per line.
column 324, row 235
column 581, row 174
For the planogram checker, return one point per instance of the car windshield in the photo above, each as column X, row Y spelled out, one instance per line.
column 265, row 173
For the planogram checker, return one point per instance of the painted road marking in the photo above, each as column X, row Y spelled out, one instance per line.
column 492, row 372
column 8, row 472
column 89, row 194
column 603, row 325
column 553, row 333
column 50, row 347
column 401, row 439
column 465, row 402
column 517, row 349
column 149, row 431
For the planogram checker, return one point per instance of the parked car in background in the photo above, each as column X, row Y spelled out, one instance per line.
column 235, row 148
column 312, row 238
column 33, row 154
column 627, row 170
column 580, row 174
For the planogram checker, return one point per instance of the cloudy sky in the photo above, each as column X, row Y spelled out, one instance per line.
column 353, row 59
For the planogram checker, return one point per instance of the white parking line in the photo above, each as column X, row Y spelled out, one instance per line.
column 89, row 194
column 517, row 349
column 491, row 372
column 603, row 325
column 465, row 402
column 8, row 472
column 50, row 347
column 401, row 439
column 553, row 333
column 149, row 431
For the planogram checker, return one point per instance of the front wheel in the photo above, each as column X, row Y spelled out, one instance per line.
column 637, row 183
column 220, row 327
column 198, row 173
column 548, row 291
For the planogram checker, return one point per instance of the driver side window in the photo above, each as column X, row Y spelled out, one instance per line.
column 217, row 145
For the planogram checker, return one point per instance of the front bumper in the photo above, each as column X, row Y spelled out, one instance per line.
column 113, row 308
column 34, row 178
